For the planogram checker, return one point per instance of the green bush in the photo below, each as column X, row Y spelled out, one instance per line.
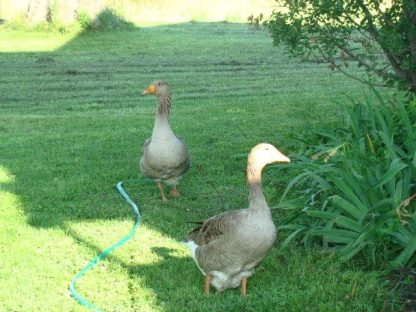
column 20, row 23
column 106, row 20
column 356, row 190
column 378, row 36
column 84, row 19
column 17, row 23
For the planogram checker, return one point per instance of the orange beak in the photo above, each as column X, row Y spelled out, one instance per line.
column 150, row 90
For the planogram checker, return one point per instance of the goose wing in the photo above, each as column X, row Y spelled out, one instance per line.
column 214, row 228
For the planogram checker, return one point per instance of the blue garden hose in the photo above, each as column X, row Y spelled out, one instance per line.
column 81, row 300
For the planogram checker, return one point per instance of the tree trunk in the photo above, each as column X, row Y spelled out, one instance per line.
column 66, row 11
column 38, row 11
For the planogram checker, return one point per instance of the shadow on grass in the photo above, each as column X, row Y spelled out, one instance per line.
column 175, row 281
column 161, row 277
column 74, row 142
column 74, row 126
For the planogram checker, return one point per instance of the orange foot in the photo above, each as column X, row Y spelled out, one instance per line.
column 208, row 279
column 175, row 193
column 243, row 284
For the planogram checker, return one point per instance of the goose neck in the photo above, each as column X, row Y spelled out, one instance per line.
column 161, row 129
column 256, row 196
column 163, row 105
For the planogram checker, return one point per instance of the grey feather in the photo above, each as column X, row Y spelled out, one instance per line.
column 230, row 245
column 165, row 157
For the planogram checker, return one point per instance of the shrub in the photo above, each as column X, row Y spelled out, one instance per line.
column 106, row 20
column 356, row 190
column 17, row 23
column 378, row 36
column 84, row 19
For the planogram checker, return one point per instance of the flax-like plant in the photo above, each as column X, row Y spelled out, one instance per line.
column 356, row 191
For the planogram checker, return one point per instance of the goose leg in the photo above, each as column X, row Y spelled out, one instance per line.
column 160, row 186
column 208, row 279
column 243, row 287
column 174, row 192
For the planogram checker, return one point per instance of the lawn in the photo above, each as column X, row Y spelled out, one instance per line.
column 72, row 120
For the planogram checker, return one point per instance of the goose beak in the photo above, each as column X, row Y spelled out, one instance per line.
column 150, row 90
column 281, row 158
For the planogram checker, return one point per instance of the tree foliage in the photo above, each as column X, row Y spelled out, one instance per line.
column 378, row 35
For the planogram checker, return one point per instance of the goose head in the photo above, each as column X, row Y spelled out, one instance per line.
column 159, row 88
column 263, row 154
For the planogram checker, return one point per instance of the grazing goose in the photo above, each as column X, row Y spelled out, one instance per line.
column 165, row 156
column 228, row 246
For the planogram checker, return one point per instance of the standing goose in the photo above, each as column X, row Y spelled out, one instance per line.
column 165, row 157
column 228, row 246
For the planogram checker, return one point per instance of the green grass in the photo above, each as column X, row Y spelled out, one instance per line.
column 71, row 125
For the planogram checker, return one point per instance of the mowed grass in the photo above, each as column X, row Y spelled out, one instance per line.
column 72, row 120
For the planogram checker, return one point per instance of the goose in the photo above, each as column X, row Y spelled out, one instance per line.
column 165, row 157
column 228, row 246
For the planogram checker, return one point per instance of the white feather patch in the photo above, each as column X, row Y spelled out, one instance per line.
column 192, row 248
